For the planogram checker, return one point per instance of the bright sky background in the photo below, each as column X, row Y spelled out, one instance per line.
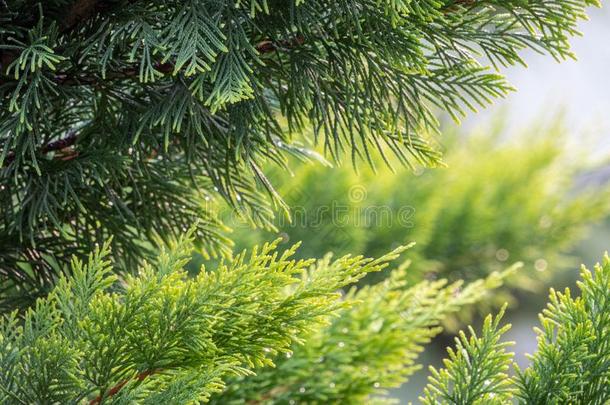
column 577, row 91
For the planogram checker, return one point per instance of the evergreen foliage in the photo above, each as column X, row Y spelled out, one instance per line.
column 161, row 336
column 368, row 348
column 120, row 120
column 570, row 366
column 121, row 117
column 476, row 372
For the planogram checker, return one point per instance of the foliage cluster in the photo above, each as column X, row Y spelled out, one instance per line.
column 163, row 337
column 570, row 366
column 122, row 117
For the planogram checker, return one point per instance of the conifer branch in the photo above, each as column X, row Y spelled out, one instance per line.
column 571, row 364
column 178, row 103
column 209, row 327
column 131, row 72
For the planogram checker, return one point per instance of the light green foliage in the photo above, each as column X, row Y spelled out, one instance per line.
column 123, row 117
column 496, row 203
column 476, row 371
column 368, row 348
column 161, row 336
column 570, row 366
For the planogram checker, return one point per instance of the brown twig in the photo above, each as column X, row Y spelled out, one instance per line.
column 268, row 46
column 57, row 145
column 68, row 79
column 117, row 388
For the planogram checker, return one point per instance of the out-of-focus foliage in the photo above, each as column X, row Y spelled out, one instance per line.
column 497, row 202
column 571, row 365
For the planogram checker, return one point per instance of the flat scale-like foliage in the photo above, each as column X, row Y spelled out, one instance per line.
column 161, row 336
column 570, row 366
